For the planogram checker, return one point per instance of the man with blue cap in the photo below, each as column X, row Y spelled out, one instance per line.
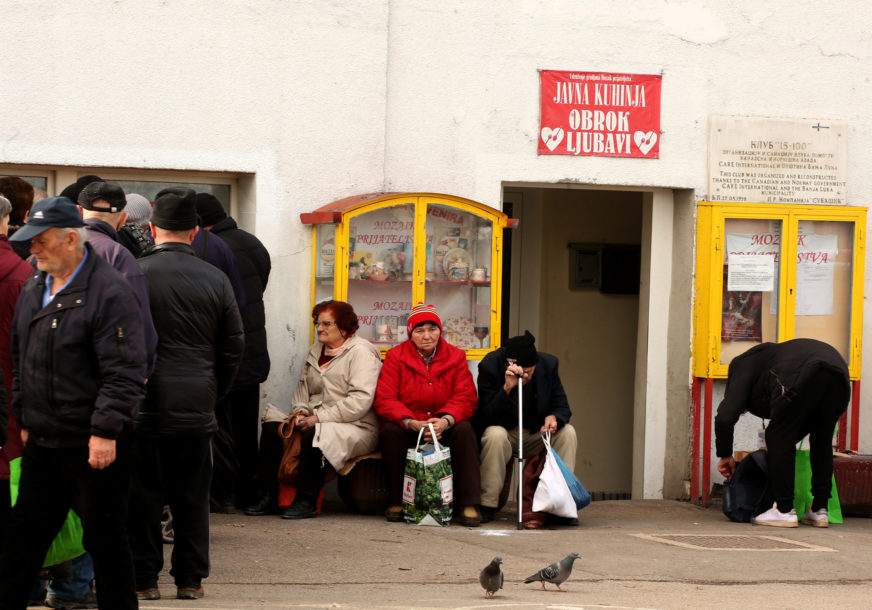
column 79, row 366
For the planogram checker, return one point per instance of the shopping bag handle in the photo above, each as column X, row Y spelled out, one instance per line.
column 432, row 433
column 546, row 438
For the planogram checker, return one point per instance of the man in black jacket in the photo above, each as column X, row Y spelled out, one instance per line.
column 243, row 401
column 201, row 345
column 496, row 419
column 802, row 386
column 79, row 373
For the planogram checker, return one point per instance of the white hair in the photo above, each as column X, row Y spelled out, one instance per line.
column 82, row 232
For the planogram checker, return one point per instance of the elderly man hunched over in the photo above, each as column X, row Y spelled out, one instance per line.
column 545, row 408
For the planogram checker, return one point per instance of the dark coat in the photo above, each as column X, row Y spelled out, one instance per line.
column 135, row 238
column 104, row 239
column 216, row 252
column 766, row 378
column 201, row 342
column 254, row 266
column 496, row 408
column 80, row 362
column 13, row 273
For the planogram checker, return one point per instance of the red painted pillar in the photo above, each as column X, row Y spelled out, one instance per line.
column 707, row 443
column 696, row 391
column 855, row 416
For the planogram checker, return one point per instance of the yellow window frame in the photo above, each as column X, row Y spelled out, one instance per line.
column 710, row 231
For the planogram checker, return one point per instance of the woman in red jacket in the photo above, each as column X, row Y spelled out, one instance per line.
column 426, row 380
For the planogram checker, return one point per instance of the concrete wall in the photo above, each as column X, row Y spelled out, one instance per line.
column 314, row 101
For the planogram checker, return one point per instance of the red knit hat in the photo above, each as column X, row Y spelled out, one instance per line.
column 423, row 313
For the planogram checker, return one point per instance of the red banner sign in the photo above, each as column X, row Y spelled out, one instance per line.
column 597, row 114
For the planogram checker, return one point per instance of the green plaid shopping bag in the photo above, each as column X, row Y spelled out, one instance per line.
column 428, row 484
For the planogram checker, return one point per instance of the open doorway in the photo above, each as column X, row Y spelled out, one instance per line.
column 591, row 329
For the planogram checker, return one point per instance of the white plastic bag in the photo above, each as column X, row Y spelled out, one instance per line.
column 552, row 494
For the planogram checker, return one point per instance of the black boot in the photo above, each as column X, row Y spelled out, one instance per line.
column 303, row 507
column 267, row 505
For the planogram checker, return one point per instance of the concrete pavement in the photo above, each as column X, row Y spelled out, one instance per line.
column 634, row 554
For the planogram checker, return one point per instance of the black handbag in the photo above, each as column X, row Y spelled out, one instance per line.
column 747, row 493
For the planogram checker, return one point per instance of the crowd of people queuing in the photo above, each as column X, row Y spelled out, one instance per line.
column 133, row 345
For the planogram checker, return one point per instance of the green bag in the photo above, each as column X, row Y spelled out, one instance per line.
column 428, row 483
column 68, row 543
column 802, row 489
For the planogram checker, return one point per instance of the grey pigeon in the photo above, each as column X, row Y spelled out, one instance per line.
column 491, row 577
column 556, row 572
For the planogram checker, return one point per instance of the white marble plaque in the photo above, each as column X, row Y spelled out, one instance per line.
column 766, row 160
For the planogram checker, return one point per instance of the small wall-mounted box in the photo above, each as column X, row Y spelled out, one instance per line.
column 609, row 268
column 585, row 266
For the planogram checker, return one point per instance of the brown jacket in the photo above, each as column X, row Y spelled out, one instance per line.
column 342, row 395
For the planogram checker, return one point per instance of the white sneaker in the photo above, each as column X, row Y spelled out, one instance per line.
column 818, row 518
column 776, row 518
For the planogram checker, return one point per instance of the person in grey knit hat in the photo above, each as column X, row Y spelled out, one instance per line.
column 135, row 234
column 138, row 210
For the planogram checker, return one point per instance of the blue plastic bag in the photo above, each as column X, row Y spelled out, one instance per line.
column 579, row 493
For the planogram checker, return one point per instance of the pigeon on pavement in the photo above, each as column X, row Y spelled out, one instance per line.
column 491, row 577
column 555, row 573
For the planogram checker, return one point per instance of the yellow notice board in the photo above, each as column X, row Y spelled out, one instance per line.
column 768, row 272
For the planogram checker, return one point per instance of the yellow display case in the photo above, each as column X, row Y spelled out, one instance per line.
column 771, row 272
column 385, row 252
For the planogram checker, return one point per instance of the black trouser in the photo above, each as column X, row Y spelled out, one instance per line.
column 178, row 469
column 395, row 441
column 272, row 448
column 52, row 482
column 4, row 507
column 245, row 415
column 236, row 466
column 225, row 465
column 814, row 412
column 313, row 466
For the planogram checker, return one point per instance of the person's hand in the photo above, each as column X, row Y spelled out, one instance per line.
column 304, row 423
column 727, row 466
column 415, row 425
column 101, row 452
column 24, row 435
column 440, row 425
column 550, row 424
column 514, row 373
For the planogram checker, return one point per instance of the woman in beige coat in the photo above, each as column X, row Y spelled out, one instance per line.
column 336, row 388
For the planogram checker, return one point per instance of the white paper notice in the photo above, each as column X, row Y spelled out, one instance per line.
column 814, row 274
column 751, row 272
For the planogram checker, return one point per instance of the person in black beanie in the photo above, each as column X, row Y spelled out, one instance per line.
column 201, row 345
column 243, row 401
column 496, row 419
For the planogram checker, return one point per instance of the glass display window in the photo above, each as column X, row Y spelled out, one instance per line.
column 773, row 273
column 749, row 306
column 390, row 252
column 457, row 270
column 824, row 272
